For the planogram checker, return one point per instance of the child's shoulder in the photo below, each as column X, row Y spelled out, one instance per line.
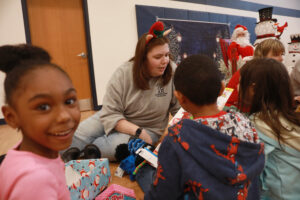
column 234, row 112
column 26, row 166
column 17, row 173
column 245, row 129
column 24, row 160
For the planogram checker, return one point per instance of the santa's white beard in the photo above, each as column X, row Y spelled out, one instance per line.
column 243, row 41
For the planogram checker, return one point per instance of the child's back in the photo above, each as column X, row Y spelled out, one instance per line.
column 215, row 155
column 281, row 175
column 277, row 124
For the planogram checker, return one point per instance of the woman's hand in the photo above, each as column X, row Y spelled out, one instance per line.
column 146, row 137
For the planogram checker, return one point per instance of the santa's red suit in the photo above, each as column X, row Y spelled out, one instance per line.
column 236, row 49
column 233, row 83
column 234, row 97
column 235, row 52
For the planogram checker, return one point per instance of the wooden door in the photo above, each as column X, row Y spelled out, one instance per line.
column 58, row 27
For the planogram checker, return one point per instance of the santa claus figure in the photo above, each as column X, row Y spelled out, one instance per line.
column 237, row 53
column 240, row 46
column 267, row 27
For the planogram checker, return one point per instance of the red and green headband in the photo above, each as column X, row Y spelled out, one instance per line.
column 157, row 31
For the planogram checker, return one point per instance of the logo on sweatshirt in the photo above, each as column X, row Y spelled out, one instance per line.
column 160, row 92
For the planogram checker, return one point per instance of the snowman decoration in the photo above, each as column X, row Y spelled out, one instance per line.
column 293, row 62
column 294, row 50
column 267, row 28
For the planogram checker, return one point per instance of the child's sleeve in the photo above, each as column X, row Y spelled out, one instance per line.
column 37, row 185
column 167, row 183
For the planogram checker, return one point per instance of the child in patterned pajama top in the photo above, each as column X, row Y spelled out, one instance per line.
column 214, row 155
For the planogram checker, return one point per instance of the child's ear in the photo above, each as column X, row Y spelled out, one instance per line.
column 10, row 116
column 222, row 88
column 179, row 96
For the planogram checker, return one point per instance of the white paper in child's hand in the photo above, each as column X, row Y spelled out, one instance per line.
column 148, row 155
column 221, row 101
column 177, row 117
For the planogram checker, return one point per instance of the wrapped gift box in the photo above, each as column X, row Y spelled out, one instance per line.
column 87, row 178
column 115, row 191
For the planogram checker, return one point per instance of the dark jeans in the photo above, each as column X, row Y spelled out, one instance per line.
column 145, row 177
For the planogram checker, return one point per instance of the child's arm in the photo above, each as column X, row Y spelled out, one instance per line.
column 167, row 183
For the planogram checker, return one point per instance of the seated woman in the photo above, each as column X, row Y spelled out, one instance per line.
column 265, row 87
column 138, row 99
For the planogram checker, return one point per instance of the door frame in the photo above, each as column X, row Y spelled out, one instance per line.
column 88, row 46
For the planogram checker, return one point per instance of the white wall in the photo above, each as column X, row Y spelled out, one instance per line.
column 114, row 31
column 11, row 31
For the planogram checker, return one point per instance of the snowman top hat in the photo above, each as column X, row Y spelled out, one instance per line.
column 295, row 38
column 265, row 14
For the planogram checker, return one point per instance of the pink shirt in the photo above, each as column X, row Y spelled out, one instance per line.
column 24, row 175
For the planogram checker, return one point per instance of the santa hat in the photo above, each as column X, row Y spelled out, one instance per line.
column 238, row 29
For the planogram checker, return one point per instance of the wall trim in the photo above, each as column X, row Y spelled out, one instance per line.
column 244, row 5
column 2, row 122
column 90, row 54
column 26, row 21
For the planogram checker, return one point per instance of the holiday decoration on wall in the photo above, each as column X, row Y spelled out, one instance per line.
column 190, row 37
column 267, row 27
column 294, row 50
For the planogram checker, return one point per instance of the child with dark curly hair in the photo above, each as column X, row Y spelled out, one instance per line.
column 216, row 154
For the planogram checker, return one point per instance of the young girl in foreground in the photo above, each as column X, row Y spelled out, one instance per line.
column 41, row 102
column 265, row 87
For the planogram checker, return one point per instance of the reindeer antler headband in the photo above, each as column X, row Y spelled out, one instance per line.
column 157, row 31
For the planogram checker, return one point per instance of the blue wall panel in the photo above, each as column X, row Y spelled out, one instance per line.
column 147, row 15
column 196, row 15
column 250, row 6
column 172, row 13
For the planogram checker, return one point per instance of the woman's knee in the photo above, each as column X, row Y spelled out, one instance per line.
column 108, row 144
